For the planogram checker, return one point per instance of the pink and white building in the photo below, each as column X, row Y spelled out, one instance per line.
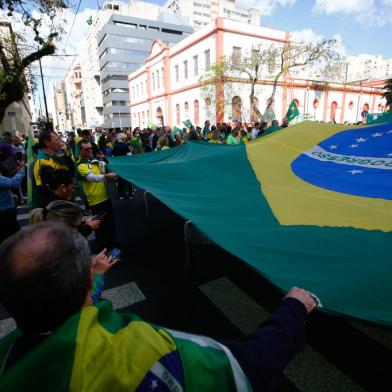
column 168, row 88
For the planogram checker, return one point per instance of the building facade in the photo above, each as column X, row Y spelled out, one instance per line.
column 123, row 45
column 60, row 108
column 202, row 12
column 181, row 95
column 74, row 100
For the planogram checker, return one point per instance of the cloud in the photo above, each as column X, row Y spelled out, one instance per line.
column 345, row 6
column 54, row 66
column 306, row 35
column 369, row 13
column 309, row 36
column 266, row 7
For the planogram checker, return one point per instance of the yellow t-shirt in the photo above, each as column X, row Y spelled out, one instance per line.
column 95, row 192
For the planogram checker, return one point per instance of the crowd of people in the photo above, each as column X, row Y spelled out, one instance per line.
column 62, row 163
column 48, row 276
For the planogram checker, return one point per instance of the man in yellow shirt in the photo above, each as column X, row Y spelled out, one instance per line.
column 93, row 181
column 54, row 153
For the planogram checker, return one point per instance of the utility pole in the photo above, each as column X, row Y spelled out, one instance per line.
column 43, row 90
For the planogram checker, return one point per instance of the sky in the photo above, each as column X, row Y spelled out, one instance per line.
column 360, row 26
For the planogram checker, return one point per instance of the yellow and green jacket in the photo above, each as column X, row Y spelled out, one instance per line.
column 95, row 192
column 57, row 161
column 98, row 350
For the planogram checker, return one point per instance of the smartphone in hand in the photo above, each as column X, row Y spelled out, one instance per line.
column 115, row 253
column 99, row 216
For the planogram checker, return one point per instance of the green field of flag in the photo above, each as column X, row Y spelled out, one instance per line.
column 298, row 214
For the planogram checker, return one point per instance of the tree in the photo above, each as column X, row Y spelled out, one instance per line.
column 270, row 63
column 388, row 94
column 16, row 55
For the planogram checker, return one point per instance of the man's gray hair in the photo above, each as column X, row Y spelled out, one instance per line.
column 44, row 275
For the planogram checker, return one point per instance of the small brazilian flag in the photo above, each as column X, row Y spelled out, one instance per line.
column 292, row 112
column 188, row 123
column 175, row 131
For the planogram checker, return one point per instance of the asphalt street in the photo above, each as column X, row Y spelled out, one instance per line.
column 213, row 293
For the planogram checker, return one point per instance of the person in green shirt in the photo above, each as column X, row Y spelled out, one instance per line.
column 233, row 137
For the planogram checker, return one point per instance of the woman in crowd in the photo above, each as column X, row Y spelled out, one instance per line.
column 71, row 215
column 59, row 185
column 68, row 213
column 12, row 173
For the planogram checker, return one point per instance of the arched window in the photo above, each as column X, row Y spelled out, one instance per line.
column 253, row 116
column 148, row 114
column 315, row 103
column 159, row 115
column 380, row 108
column 236, row 108
column 351, row 105
column 178, row 117
column 196, row 111
column 296, row 102
column 365, row 106
column 334, row 106
column 186, row 107
column 138, row 118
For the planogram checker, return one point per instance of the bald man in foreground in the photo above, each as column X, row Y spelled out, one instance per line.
column 63, row 342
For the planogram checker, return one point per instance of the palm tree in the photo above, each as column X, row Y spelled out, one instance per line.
column 388, row 94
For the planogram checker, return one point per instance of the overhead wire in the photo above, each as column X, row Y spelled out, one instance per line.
column 69, row 34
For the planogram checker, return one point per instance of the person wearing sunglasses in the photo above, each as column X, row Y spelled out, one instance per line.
column 93, row 180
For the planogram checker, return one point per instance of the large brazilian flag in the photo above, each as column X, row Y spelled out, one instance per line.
column 309, row 205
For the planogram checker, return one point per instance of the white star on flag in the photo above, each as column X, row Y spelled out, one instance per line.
column 361, row 139
column 154, row 384
column 389, row 131
column 355, row 171
column 377, row 134
column 354, row 145
column 390, row 155
column 333, row 147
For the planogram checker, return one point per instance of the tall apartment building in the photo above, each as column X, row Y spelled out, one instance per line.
column 60, row 108
column 74, row 99
column 202, row 12
column 123, row 45
column 366, row 66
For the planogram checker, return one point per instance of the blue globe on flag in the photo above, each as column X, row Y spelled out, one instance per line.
column 356, row 162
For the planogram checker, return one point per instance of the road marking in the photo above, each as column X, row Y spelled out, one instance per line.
column 6, row 326
column 120, row 296
column 246, row 315
column 123, row 296
column 23, row 216
column 242, row 311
